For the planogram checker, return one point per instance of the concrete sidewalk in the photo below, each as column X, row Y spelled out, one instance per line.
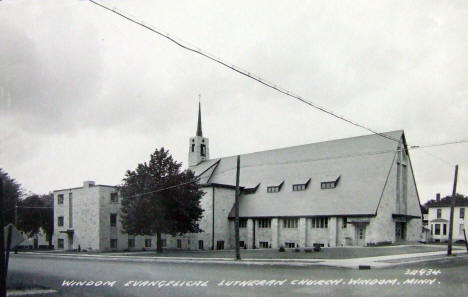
column 353, row 263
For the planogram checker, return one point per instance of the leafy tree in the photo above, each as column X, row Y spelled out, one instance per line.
column 36, row 212
column 148, row 210
column 459, row 199
column 11, row 195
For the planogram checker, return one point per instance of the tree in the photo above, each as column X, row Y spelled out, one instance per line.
column 158, row 198
column 11, row 195
column 36, row 212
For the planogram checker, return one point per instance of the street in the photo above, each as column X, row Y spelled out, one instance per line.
column 129, row 278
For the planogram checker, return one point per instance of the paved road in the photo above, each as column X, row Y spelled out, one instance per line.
column 281, row 280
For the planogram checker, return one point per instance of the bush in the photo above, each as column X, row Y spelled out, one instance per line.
column 281, row 249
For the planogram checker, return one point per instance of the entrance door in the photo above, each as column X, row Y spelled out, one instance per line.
column 70, row 242
column 400, row 231
column 361, row 235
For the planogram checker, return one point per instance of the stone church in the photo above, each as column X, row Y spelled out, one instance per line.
column 356, row 191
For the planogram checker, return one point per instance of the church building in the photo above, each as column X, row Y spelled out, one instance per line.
column 357, row 191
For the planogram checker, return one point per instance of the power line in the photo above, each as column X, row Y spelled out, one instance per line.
column 439, row 144
column 243, row 72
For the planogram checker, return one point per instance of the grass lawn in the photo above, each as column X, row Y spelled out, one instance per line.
column 325, row 253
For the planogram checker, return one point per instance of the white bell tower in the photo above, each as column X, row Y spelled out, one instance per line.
column 199, row 149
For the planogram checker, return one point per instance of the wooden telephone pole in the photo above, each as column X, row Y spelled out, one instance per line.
column 452, row 206
column 2, row 244
column 236, row 207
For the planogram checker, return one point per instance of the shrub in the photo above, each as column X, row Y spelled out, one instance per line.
column 281, row 249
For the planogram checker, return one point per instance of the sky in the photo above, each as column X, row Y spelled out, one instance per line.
column 87, row 95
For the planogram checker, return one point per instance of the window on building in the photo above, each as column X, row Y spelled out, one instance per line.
column 461, row 228
column 444, row 229
column 220, row 245
column 432, row 229
column 113, row 219
column 290, row 223
column 113, row 243
column 242, row 223
column 241, row 243
column 436, row 229
column 60, row 198
column 345, row 222
column 60, row 243
column 193, row 147
column 273, row 189
column 148, row 243
column 321, row 222
column 131, row 242
column 179, row 243
column 200, row 244
column 439, row 213
column 289, row 245
column 328, row 185
column 203, row 150
column 70, row 195
column 264, row 244
column 462, row 213
column 60, row 221
column 264, row 223
column 114, row 198
column 300, row 187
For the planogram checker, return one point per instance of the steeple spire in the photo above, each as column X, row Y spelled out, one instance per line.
column 199, row 128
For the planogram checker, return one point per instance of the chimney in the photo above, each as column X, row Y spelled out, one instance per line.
column 88, row 184
column 438, row 197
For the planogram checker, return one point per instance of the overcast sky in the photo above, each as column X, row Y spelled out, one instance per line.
column 86, row 95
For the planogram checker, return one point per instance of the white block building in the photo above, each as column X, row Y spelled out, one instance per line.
column 439, row 219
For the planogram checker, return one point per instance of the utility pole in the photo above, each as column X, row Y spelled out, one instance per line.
column 236, row 206
column 16, row 214
column 452, row 206
column 2, row 244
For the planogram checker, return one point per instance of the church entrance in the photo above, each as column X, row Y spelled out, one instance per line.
column 400, row 228
column 361, row 235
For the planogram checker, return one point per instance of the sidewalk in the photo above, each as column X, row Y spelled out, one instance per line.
column 399, row 256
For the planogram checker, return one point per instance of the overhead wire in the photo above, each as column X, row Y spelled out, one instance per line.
column 242, row 72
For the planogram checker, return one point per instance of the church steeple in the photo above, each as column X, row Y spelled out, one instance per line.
column 198, row 145
column 199, row 129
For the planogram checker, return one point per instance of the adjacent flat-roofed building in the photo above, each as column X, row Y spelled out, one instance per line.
column 354, row 191
column 87, row 217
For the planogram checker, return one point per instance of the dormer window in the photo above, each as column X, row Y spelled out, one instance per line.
column 275, row 189
column 330, row 184
column 300, row 187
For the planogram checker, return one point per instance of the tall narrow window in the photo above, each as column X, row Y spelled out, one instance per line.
column 193, row 147
column 113, row 243
column 60, row 199
column 113, row 219
column 345, row 222
column 147, row 243
column 439, row 213
column 444, row 229
column 202, row 149
column 60, row 221
column 437, row 229
column 462, row 213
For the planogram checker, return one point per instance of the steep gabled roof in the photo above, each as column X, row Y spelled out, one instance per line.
column 361, row 163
